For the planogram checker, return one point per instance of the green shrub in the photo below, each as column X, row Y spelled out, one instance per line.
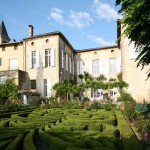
column 4, row 144
column 4, row 123
column 15, row 144
column 53, row 142
column 129, row 139
column 28, row 141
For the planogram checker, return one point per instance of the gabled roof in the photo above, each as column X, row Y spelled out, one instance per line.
column 3, row 31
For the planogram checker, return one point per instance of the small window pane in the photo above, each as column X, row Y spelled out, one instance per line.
column 33, row 84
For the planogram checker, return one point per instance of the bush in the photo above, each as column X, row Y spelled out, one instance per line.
column 53, row 142
column 128, row 137
column 28, row 141
column 8, row 90
column 4, row 144
column 15, row 144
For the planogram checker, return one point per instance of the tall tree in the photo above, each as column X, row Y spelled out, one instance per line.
column 136, row 20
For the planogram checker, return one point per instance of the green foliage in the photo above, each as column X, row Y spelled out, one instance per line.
column 129, row 104
column 28, row 141
column 8, row 90
column 68, row 87
column 129, row 140
column 136, row 20
column 124, row 97
column 15, row 144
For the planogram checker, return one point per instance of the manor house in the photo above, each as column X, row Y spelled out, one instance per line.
column 37, row 62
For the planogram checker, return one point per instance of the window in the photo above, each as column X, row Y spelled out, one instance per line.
column 45, row 87
column 0, row 61
column 67, row 62
column 112, row 65
column 63, row 58
column 32, row 43
column 15, row 47
column 2, row 79
column 97, row 94
column 95, row 66
column 47, row 57
column 13, row 63
column 47, row 40
column 79, row 67
column 113, row 92
column 33, row 84
column 33, row 59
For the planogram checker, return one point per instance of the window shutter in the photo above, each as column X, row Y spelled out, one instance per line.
column 52, row 57
column 49, row 85
column 37, row 59
column 66, row 62
column 78, row 66
column 81, row 67
column 90, row 67
column 100, row 67
column 70, row 65
column 62, row 58
column 44, row 58
column 106, row 61
column 30, row 58
column 119, row 64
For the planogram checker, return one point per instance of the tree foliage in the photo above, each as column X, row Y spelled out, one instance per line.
column 136, row 20
column 8, row 90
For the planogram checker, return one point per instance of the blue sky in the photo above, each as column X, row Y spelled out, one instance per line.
column 85, row 23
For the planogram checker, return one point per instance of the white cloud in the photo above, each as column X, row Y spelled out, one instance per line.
column 100, row 40
column 105, row 11
column 75, row 19
column 56, row 14
column 79, row 19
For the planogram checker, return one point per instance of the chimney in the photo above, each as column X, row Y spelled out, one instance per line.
column 30, row 30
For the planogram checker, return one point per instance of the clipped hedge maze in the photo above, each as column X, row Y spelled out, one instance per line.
column 65, row 129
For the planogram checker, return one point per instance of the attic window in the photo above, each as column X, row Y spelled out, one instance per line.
column 32, row 43
column 112, row 51
column 95, row 53
column 47, row 40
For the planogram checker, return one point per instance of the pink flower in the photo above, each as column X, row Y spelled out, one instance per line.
column 146, row 135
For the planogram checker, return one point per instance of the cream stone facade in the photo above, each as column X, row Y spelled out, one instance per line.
column 43, row 60
column 139, row 85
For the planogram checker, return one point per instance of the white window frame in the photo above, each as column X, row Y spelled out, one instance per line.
column 2, row 79
column 97, row 94
column 113, row 92
column 79, row 67
column 13, row 66
column 112, row 65
column 47, row 57
column 62, row 58
column 45, row 88
column 34, row 59
column 95, row 66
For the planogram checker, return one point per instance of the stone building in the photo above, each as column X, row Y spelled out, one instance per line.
column 40, row 61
